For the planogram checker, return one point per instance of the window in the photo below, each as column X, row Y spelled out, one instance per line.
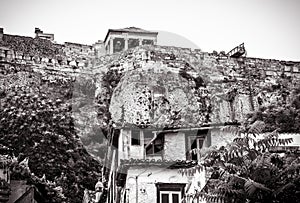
column 170, row 192
column 196, row 139
column 147, row 42
column 133, row 43
column 156, row 147
column 118, row 44
column 195, row 143
column 170, row 197
column 135, row 137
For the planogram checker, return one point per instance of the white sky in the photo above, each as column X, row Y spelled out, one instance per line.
column 269, row 28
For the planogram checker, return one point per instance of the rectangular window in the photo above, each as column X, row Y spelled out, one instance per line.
column 133, row 43
column 195, row 143
column 135, row 137
column 170, row 192
column 156, row 146
column 147, row 42
column 118, row 44
column 170, row 197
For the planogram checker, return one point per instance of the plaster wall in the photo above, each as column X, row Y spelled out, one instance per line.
column 174, row 146
column 148, row 177
column 146, row 184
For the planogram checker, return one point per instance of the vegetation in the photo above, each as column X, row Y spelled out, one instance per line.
column 36, row 123
column 246, row 171
column 283, row 114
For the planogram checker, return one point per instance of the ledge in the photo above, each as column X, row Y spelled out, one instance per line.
column 169, row 164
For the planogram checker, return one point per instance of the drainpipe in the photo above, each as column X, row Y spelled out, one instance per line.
column 137, row 189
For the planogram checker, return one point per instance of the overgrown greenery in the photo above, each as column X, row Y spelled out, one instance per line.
column 36, row 123
column 246, row 171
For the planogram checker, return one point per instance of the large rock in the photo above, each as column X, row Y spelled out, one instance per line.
column 155, row 95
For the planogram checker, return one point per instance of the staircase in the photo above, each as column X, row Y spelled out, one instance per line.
column 238, row 51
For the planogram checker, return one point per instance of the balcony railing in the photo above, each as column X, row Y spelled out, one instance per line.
column 237, row 51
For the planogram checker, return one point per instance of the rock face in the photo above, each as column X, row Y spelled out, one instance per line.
column 167, row 86
column 158, row 87
column 155, row 95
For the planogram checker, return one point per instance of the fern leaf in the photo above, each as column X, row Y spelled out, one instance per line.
column 257, row 127
column 283, row 188
column 252, row 186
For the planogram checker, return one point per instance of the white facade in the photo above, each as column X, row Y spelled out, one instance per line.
column 153, row 167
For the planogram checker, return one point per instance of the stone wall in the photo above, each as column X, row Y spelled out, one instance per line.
column 10, row 56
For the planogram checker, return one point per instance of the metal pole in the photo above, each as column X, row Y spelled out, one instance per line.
column 137, row 189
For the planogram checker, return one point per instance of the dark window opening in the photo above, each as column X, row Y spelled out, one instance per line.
column 118, row 44
column 135, row 137
column 147, row 42
column 133, row 43
column 116, row 138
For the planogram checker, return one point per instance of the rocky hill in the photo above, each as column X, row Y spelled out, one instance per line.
column 54, row 110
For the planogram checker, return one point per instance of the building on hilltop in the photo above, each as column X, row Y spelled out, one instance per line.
column 117, row 40
column 40, row 34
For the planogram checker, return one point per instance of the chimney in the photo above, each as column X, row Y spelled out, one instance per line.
column 1, row 33
column 37, row 31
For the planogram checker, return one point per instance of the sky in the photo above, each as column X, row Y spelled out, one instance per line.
column 269, row 28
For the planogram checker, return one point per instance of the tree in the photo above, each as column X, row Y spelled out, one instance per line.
column 246, row 170
column 36, row 123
